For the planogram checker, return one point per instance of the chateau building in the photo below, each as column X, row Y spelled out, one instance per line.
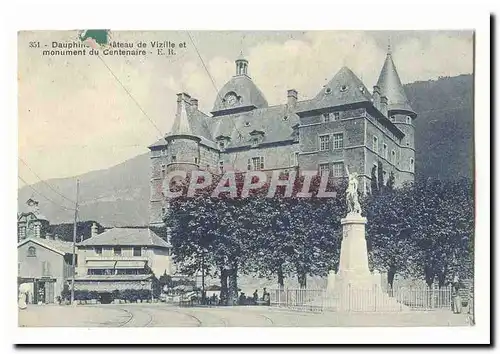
column 344, row 125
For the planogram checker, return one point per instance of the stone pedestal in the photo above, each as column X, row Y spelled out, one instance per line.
column 354, row 287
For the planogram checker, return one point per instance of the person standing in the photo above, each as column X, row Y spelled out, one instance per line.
column 255, row 297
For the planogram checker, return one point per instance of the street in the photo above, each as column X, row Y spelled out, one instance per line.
column 162, row 315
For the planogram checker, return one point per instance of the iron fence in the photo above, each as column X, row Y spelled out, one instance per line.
column 363, row 300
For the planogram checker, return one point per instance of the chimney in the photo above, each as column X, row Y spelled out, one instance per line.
column 194, row 103
column 376, row 97
column 292, row 98
column 182, row 99
column 383, row 105
column 93, row 230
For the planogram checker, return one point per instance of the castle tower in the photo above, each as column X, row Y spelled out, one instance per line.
column 178, row 150
column 400, row 113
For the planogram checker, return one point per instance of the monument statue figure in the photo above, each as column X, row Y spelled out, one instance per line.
column 352, row 199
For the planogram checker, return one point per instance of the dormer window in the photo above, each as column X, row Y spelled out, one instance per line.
column 256, row 137
column 222, row 141
column 247, row 124
column 343, row 88
column 330, row 117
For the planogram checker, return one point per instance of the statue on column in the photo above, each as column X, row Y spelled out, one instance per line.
column 352, row 198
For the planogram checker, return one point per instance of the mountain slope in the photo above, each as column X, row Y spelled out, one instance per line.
column 119, row 196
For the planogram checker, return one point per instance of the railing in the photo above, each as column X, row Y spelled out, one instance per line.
column 363, row 300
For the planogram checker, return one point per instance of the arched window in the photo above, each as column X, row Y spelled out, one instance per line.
column 31, row 251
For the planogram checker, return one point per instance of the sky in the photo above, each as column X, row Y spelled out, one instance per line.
column 75, row 114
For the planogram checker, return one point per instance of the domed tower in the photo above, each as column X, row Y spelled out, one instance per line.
column 240, row 93
column 401, row 114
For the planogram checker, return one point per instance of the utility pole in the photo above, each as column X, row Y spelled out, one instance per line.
column 203, row 277
column 74, row 245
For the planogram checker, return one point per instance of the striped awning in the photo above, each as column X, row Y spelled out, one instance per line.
column 130, row 264
column 100, row 264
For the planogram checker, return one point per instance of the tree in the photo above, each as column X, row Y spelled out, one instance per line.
column 380, row 177
column 444, row 228
column 373, row 181
column 389, row 233
column 391, row 181
column 424, row 229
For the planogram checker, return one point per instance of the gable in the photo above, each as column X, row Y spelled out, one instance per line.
column 26, row 244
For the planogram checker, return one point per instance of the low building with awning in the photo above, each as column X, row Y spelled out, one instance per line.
column 122, row 258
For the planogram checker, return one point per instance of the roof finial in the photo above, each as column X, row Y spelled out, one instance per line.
column 389, row 46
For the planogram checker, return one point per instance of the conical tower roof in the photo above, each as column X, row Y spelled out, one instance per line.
column 182, row 124
column 391, row 87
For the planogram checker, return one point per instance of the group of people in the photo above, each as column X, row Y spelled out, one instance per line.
column 265, row 299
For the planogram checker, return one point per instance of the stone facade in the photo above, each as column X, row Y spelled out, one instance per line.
column 343, row 126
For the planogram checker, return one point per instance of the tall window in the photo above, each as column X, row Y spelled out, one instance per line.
column 221, row 166
column 338, row 169
column 375, row 144
column 324, row 142
column 222, row 144
column 412, row 163
column 385, row 151
column 336, row 115
column 196, row 160
column 295, row 158
column 408, row 119
column 117, row 251
column 325, row 117
column 137, row 251
column 22, row 232
column 98, row 250
column 174, row 158
column 338, row 141
column 324, row 168
column 163, row 171
column 393, row 156
column 45, row 268
column 31, row 251
column 257, row 163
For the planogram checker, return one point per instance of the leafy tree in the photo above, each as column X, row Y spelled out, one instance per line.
column 373, row 181
column 444, row 228
column 390, row 181
column 389, row 232
column 380, row 177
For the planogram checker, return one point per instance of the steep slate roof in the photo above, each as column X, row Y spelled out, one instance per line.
column 59, row 246
column 391, row 87
column 126, row 237
column 343, row 89
column 189, row 121
column 243, row 86
column 270, row 120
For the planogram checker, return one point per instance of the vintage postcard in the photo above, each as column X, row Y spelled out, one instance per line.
column 246, row 178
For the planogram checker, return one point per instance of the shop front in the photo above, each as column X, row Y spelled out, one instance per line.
column 41, row 290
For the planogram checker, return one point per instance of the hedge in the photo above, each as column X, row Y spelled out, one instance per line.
column 129, row 295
